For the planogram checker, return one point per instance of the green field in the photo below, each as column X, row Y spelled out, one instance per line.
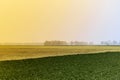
column 73, row 67
column 35, row 63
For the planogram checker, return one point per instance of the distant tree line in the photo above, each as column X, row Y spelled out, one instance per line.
column 78, row 43
column 53, row 43
column 110, row 42
column 57, row 42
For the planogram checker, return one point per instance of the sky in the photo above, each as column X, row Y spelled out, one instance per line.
column 70, row 20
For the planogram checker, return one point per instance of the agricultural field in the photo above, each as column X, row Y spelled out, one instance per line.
column 15, row 52
column 102, row 66
column 59, row 62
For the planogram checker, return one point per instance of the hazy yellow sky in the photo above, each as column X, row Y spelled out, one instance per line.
column 40, row 20
column 30, row 20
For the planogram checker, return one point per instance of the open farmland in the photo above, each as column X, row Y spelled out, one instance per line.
column 73, row 67
column 59, row 63
column 8, row 52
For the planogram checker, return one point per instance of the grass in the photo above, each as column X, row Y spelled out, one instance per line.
column 8, row 52
column 73, row 67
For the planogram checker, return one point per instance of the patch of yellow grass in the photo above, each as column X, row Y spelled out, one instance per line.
column 25, row 52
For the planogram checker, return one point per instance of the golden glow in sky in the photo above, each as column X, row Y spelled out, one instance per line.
column 28, row 20
column 40, row 20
